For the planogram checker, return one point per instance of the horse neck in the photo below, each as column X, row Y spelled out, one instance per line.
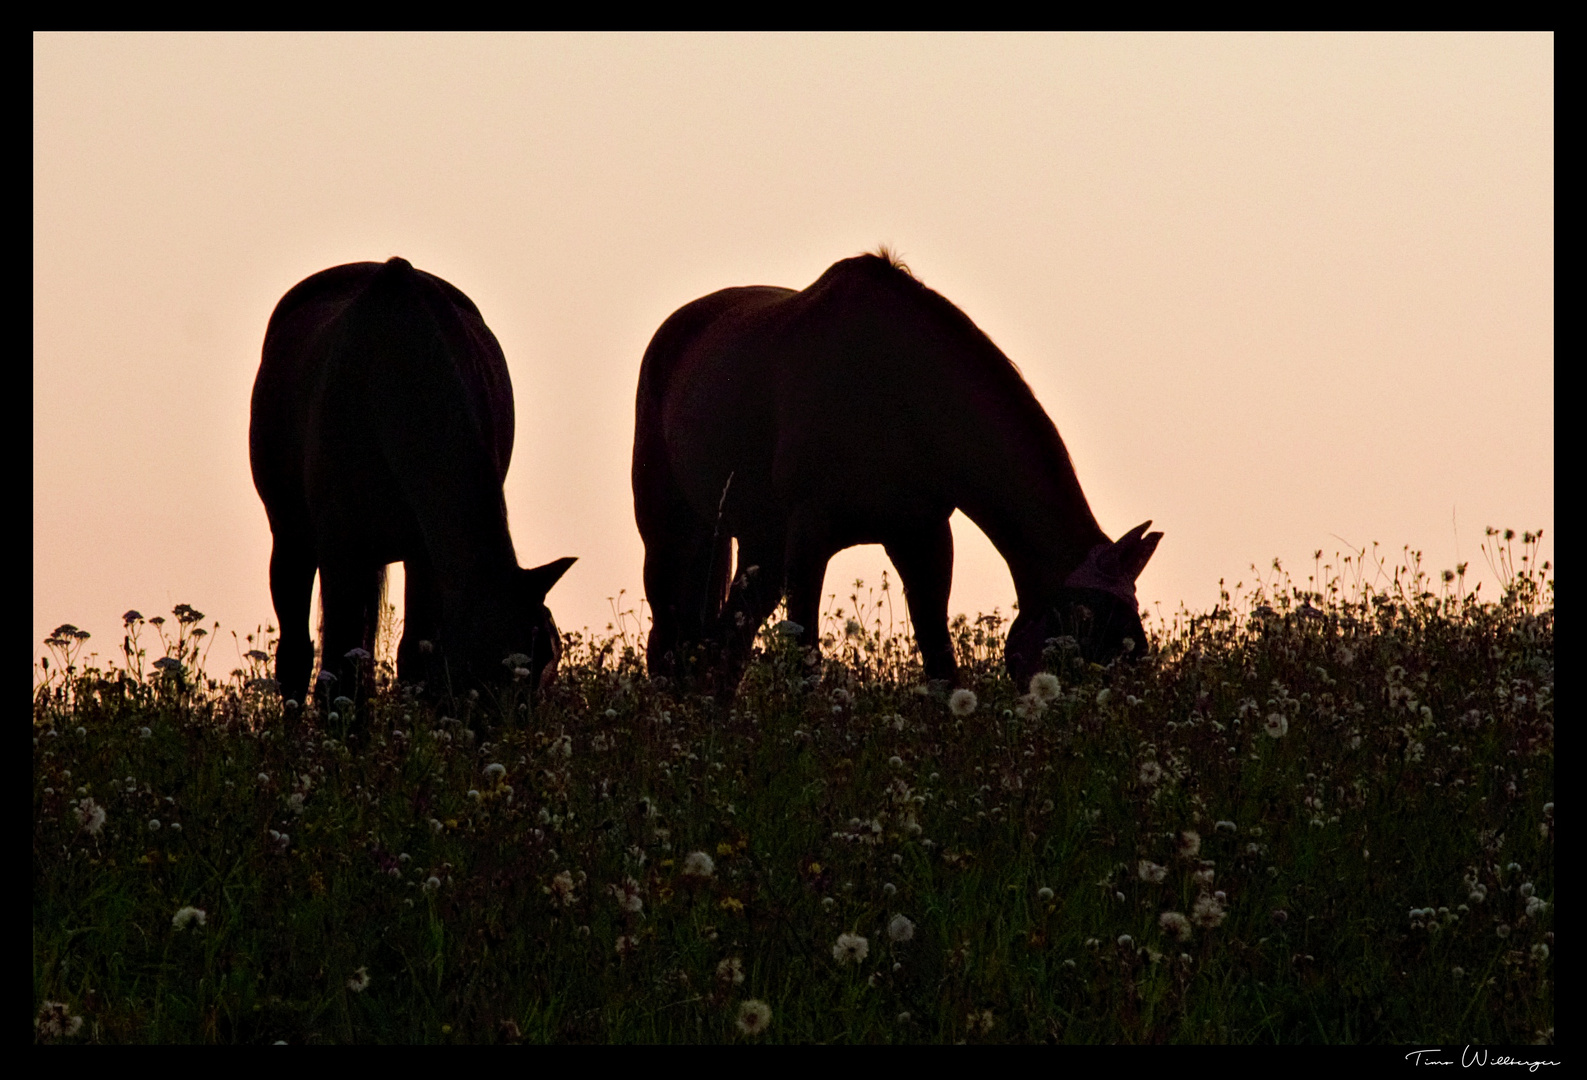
column 1021, row 490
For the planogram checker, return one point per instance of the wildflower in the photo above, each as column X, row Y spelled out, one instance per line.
column 132, row 617
column 789, row 629
column 91, row 816
column 698, row 864
column 853, row 629
column 1224, row 826
column 1208, row 911
column 431, row 883
column 495, row 770
column 187, row 915
column 1125, row 941
column 55, row 1020
column 1535, row 905
column 1540, row 951
column 561, row 889
column 903, row 1017
column 850, row 947
column 1044, row 893
column 516, row 660
column 144, row 733
column 730, row 972
column 827, row 903
column 754, row 1016
column 627, row 896
column 563, row 746
column 1503, row 930
column 154, row 824
column 1458, row 972
column 1175, row 923
column 900, row 929
column 889, row 889
column 1103, row 695
column 1276, row 725
column 1203, row 877
column 982, row 1021
column 626, row 944
column 360, row 980
column 1151, row 772
column 1044, row 687
column 962, row 702
column 1151, row 873
column 896, row 762
column 1189, row 843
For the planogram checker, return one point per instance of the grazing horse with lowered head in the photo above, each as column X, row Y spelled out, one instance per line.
column 864, row 409
column 382, row 427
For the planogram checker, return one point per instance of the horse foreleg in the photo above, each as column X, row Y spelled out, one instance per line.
column 291, row 590
column 924, row 560
column 809, row 549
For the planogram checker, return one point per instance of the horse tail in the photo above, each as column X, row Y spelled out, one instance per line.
column 397, row 361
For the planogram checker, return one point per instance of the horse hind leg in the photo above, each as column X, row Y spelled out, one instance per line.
column 292, row 570
column 350, row 601
column 924, row 561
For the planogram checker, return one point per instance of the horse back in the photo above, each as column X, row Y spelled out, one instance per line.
column 376, row 380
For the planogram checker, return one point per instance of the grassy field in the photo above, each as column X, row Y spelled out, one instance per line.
column 1314, row 815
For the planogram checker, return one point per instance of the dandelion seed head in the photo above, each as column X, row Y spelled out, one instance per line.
column 1044, row 687
column 698, row 864
column 55, row 1021
column 900, row 929
column 360, row 981
column 754, row 1016
column 962, row 702
column 1208, row 912
column 186, row 916
column 851, row 948
column 1175, row 923
column 91, row 816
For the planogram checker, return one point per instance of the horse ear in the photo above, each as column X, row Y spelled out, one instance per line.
column 1134, row 549
column 538, row 581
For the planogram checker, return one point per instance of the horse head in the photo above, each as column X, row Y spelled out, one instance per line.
column 508, row 634
column 1096, row 607
column 532, row 631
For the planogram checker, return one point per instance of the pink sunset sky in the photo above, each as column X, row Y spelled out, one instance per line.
column 1279, row 293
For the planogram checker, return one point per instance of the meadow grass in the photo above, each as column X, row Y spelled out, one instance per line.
column 1319, row 815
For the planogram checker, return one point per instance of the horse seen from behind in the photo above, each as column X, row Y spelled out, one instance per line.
column 382, row 427
column 863, row 409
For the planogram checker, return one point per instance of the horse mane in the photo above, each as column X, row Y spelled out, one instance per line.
column 886, row 253
column 885, row 265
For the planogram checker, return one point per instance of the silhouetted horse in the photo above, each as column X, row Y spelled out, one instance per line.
column 864, row 409
column 381, row 432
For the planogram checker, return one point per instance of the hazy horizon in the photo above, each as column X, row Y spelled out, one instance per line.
column 1279, row 293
